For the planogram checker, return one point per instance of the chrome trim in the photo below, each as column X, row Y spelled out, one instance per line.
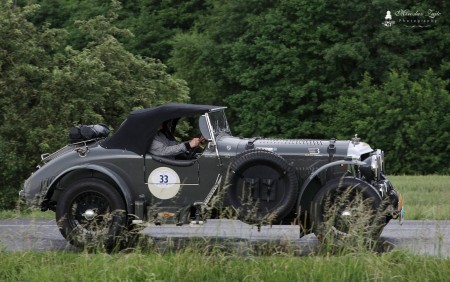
column 213, row 137
column 376, row 164
column 217, row 109
column 213, row 190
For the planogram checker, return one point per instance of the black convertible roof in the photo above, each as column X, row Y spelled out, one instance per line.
column 138, row 130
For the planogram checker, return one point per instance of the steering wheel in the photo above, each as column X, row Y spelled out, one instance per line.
column 190, row 154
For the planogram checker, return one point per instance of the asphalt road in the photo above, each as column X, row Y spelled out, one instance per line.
column 424, row 237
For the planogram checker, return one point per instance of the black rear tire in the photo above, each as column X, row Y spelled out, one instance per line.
column 262, row 187
column 91, row 213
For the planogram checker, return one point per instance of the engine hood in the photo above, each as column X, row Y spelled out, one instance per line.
column 300, row 147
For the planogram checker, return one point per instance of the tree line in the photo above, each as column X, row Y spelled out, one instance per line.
column 285, row 68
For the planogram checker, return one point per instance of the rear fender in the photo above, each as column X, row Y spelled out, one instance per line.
column 112, row 175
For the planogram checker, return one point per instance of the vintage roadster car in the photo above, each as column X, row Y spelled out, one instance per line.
column 102, row 188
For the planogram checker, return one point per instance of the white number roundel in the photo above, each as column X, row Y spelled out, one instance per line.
column 164, row 183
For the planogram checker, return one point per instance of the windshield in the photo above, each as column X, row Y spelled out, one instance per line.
column 219, row 123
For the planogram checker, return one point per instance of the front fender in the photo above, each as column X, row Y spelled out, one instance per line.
column 322, row 169
column 116, row 178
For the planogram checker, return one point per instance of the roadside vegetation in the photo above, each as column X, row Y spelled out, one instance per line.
column 31, row 213
column 193, row 264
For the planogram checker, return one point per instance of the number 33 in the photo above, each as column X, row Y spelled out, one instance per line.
column 163, row 178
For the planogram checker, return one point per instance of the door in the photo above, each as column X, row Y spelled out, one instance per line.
column 168, row 180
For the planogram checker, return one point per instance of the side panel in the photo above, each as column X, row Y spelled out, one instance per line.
column 170, row 185
column 174, row 187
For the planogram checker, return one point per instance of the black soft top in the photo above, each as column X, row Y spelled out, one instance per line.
column 137, row 132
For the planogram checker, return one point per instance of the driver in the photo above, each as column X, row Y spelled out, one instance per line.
column 164, row 144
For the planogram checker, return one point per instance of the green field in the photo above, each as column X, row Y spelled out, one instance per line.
column 426, row 197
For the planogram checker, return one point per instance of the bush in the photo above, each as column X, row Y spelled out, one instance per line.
column 45, row 88
column 407, row 118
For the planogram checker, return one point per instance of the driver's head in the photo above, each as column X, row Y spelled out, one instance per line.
column 167, row 129
column 167, row 125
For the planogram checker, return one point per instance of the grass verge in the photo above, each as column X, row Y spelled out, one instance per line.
column 196, row 265
column 30, row 213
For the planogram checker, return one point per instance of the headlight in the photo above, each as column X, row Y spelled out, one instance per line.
column 377, row 162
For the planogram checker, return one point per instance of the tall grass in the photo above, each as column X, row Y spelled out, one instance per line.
column 196, row 265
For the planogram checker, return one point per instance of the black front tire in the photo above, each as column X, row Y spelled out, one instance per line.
column 91, row 213
column 347, row 208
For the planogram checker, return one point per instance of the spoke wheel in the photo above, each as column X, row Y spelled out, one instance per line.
column 347, row 209
column 91, row 213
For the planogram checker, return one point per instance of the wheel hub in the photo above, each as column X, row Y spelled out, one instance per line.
column 89, row 214
column 346, row 213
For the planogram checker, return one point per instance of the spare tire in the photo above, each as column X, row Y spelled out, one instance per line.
column 262, row 186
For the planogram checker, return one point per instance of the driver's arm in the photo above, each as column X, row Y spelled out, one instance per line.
column 161, row 146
